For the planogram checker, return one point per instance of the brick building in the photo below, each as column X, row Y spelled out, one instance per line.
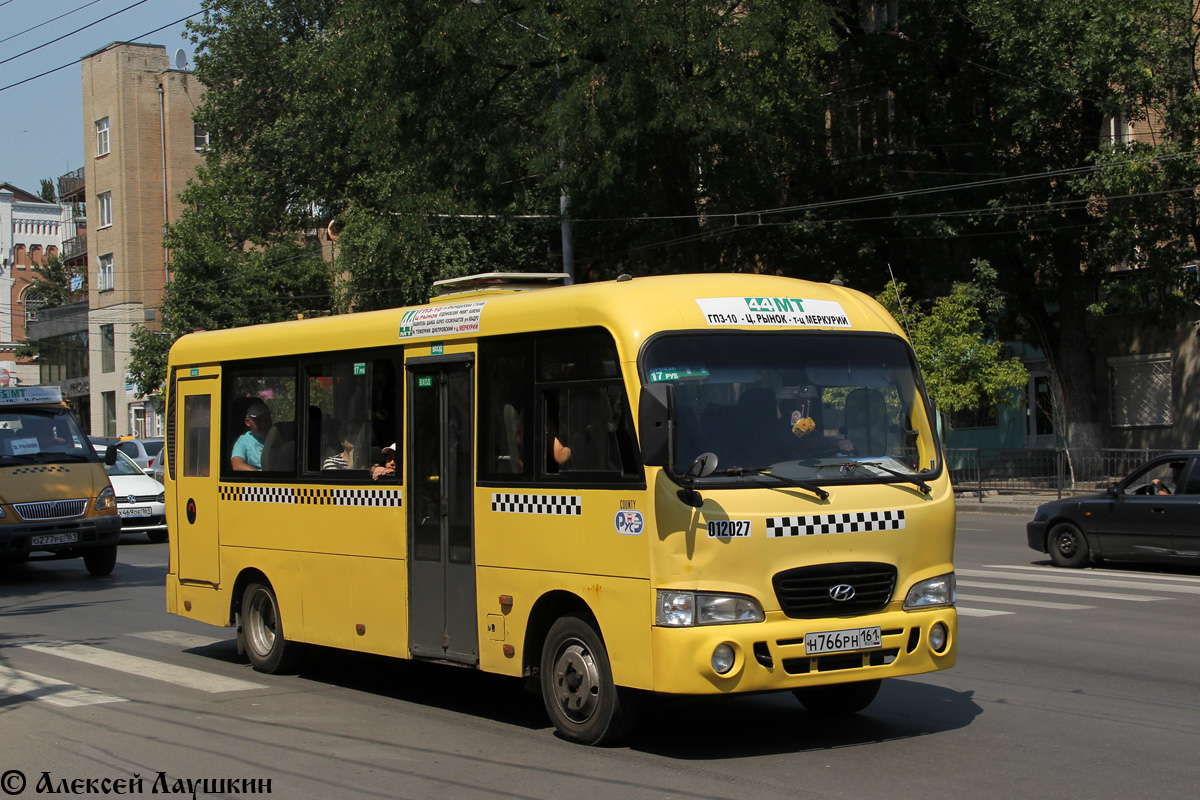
column 141, row 147
column 31, row 229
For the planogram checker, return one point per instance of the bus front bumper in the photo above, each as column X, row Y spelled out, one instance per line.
column 771, row 655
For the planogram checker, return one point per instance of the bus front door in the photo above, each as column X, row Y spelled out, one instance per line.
column 441, row 531
column 194, row 528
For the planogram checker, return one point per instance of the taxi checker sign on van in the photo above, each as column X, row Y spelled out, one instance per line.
column 771, row 312
column 441, row 320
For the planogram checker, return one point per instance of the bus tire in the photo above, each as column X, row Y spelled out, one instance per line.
column 838, row 699
column 262, row 632
column 1067, row 546
column 577, row 685
column 100, row 560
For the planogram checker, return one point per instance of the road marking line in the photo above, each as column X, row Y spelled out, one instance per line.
column 142, row 667
column 1081, row 579
column 981, row 612
column 1012, row 601
column 1138, row 576
column 1137, row 598
column 178, row 637
column 60, row 693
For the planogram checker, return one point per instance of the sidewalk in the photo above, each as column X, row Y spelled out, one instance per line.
column 992, row 502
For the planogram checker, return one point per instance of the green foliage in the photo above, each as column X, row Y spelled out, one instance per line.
column 53, row 282
column 47, row 192
column 148, row 363
column 963, row 368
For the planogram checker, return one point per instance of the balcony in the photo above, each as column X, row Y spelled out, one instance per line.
column 71, row 183
column 74, row 248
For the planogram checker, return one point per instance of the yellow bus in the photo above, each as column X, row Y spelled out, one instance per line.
column 684, row 485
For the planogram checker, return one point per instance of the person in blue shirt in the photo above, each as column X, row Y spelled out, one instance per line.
column 248, row 449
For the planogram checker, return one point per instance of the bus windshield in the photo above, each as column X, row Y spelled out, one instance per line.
column 807, row 406
column 41, row 436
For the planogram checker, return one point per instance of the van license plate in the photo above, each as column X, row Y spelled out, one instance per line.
column 53, row 538
column 842, row 641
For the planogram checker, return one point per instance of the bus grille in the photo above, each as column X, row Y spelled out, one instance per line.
column 51, row 509
column 808, row 591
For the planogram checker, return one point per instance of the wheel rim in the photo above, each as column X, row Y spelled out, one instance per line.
column 576, row 681
column 261, row 621
column 1067, row 544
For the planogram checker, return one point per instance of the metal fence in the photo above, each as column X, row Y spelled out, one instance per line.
column 987, row 469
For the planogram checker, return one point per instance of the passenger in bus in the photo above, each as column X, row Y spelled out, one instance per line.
column 248, row 449
column 345, row 458
column 388, row 467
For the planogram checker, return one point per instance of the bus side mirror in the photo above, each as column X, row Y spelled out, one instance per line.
column 656, row 423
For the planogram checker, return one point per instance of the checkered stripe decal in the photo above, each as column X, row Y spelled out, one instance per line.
column 553, row 504
column 31, row 470
column 778, row 527
column 388, row 498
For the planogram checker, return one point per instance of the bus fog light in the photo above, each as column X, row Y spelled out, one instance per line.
column 938, row 635
column 722, row 659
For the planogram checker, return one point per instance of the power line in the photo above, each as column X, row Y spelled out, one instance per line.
column 72, row 33
column 47, row 22
column 73, row 63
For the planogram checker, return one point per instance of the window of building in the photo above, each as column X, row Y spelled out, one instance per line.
column 966, row 418
column 1140, row 390
column 102, row 137
column 104, row 209
column 110, row 413
column 104, row 276
column 200, row 135
column 108, row 350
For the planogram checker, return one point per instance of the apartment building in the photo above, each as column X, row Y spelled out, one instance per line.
column 141, row 148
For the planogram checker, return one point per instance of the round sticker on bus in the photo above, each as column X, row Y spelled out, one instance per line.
column 629, row 523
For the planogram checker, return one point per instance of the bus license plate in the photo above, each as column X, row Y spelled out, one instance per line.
column 842, row 641
column 134, row 512
column 53, row 538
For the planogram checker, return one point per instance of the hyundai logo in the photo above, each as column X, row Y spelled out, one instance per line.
column 842, row 592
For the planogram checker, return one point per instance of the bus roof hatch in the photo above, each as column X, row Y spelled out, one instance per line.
column 504, row 281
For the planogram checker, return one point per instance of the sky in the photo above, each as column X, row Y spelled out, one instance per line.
column 41, row 119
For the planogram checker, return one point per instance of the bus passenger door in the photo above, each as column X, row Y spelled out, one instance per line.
column 441, row 530
column 195, row 476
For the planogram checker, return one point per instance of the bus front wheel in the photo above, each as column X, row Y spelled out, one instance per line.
column 839, row 698
column 577, row 685
column 262, row 632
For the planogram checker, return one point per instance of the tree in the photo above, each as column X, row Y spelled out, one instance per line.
column 962, row 365
column 47, row 192
column 52, row 282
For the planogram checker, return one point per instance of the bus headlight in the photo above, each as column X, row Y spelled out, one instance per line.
column 931, row 593
column 106, row 499
column 685, row 609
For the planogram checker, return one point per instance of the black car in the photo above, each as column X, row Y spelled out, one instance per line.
column 1153, row 514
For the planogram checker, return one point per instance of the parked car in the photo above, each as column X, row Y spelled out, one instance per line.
column 140, row 499
column 1153, row 514
column 144, row 452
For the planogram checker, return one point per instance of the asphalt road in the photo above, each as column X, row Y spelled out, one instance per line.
column 1069, row 684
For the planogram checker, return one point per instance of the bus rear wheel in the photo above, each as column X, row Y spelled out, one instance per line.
column 262, row 632
column 577, row 685
column 100, row 560
column 839, row 698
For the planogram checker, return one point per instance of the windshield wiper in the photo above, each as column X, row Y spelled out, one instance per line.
column 766, row 473
column 850, row 466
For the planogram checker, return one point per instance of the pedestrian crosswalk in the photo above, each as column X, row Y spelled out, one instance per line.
column 60, row 693
column 979, row 590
